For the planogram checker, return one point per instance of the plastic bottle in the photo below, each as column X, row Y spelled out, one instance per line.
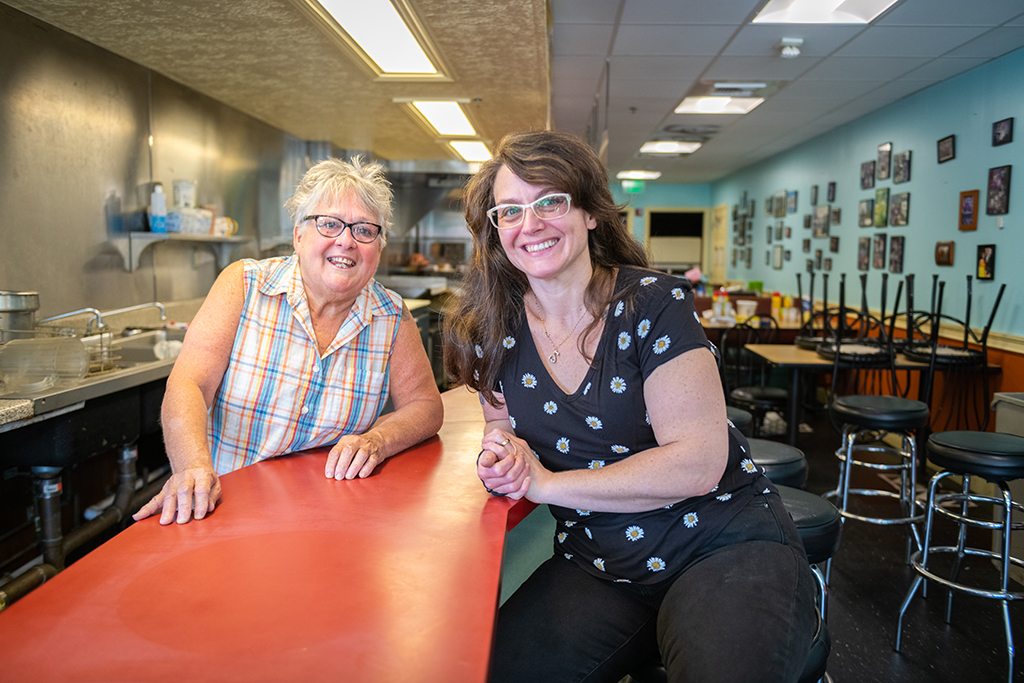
column 158, row 210
column 776, row 304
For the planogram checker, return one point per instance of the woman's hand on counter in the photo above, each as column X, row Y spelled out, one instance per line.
column 502, row 464
column 196, row 488
column 355, row 455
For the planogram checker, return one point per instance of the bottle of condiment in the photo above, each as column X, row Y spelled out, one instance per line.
column 158, row 210
column 776, row 305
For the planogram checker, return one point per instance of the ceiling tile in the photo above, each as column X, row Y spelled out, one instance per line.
column 942, row 68
column 862, row 68
column 834, row 91
column 576, row 87
column 582, row 67
column 995, row 43
column 951, row 13
column 673, row 39
column 894, row 90
column 630, row 87
column 584, row 11
column 908, row 41
column 758, row 68
column 679, row 12
column 654, row 67
column 581, row 39
column 761, row 39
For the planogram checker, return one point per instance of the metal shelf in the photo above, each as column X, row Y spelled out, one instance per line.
column 132, row 246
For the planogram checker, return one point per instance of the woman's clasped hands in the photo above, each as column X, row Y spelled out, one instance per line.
column 505, row 464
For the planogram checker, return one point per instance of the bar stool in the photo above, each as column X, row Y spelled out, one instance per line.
column 743, row 420
column 820, row 527
column 999, row 458
column 785, row 465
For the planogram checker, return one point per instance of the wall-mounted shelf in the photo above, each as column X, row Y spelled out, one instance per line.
column 132, row 246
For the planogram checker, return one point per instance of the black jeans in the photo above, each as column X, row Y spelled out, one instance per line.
column 741, row 611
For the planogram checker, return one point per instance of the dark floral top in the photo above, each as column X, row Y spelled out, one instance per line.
column 606, row 420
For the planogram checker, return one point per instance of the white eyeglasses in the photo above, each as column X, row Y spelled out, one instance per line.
column 548, row 207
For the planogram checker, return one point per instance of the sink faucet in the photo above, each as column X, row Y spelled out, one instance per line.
column 152, row 304
column 97, row 318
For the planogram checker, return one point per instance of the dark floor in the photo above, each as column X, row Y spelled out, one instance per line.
column 868, row 583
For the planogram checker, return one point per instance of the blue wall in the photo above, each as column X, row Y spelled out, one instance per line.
column 688, row 196
column 965, row 106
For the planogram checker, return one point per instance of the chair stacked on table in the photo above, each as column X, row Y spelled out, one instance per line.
column 745, row 375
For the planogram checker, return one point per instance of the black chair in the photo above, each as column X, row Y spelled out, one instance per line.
column 999, row 458
column 743, row 420
column 820, row 527
column 870, row 422
column 745, row 375
column 785, row 465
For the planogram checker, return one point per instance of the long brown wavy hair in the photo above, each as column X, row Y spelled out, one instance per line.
column 490, row 305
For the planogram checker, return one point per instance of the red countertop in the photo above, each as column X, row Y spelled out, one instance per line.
column 293, row 578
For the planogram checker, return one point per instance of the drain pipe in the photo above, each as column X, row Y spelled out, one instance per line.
column 47, row 488
column 30, row 580
column 116, row 512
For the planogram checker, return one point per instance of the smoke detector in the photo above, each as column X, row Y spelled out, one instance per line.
column 790, row 47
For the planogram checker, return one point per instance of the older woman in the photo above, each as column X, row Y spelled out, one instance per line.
column 291, row 353
column 602, row 399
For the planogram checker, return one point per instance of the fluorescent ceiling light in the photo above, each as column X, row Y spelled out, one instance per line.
column 382, row 34
column 822, row 11
column 718, row 105
column 447, row 118
column 638, row 175
column 471, row 150
column 669, row 147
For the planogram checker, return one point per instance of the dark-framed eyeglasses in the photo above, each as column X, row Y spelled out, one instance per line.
column 331, row 228
column 546, row 208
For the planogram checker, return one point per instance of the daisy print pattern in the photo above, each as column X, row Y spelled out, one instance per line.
column 583, row 513
column 587, row 532
column 696, row 317
column 618, row 385
column 586, row 389
column 648, row 281
column 508, row 342
column 624, row 340
column 529, row 381
column 616, row 448
column 562, row 536
column 643, row 328
column 690, row 519
column 656, row 564
column 661, row 344
column 724, row 497
column 594, row 422
column 678, row 294
column 595, row 464
column 619, row 308
column 748, row 466
column 570, row 523
column 634, row 533
column 512, row 421
column 599, row 563
column 567, row 556
column 550, row 407
column 562, row 445
column 479, row 351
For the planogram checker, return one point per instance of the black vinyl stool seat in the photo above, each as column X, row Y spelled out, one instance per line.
column 785, row 465
column 820, row 527
column 890, row 413
column 743, row 420
column 999, row 458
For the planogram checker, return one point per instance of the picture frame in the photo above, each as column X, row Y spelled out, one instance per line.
column 866, row 213
column 780, row 204
column 814, row 195
column 882, row 168
column 1002, row 132
column 901, row 168
column 986, row 261
column 828, row 264
column 777, row 257
column 809, row 265
column 768, row 257
column 778, row 232
column 789, row 232
column 807, row 246
column 864, row 253
column 944, row 253
column 787, row 255
column 807, row 220
column 967, row 218
column 751, row 208
column 770, row 234
column 741, row 239
column 881, row 207
column 899, row 209
column 879, row 249
column 749, row 257
column 997, row 201
column 820, row 222
column 946, row 148
column 867, row 175
column 769, row 208
column 831, row 196
column 818, row 259
column 734, row 257
column 791, row 202
column 833, row 245
column 836, row 214
column 896, row 254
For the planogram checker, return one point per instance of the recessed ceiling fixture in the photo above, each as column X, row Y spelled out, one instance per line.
column 471, row 150
column 384, row 35
column 669, row 147
column 446, row 117
column 638, row 175
column 718, row 105
column 790, row 47
column 821, row 11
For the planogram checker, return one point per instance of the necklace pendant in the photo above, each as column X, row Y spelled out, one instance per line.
column 553, row 358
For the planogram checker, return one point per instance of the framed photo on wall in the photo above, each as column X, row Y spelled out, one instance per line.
column 864, row 253
column 880, row 253
column 778, row 232
column 884, row 158
column 818, row 259
column 947, row 148
column 833, row 245
column 986, row 261
column 1002, row 132
column 807, row 220
column 807, row 246
column 866, row 213
column 836, row 214
column 791, row 202
column 896, row 254
column 899, row 209
column 881, row 207
column 901, row 168
column 944, row 253
column 814, row 195
column 777, row 257
column 831, row 196
column 779, row 204
column 820, row 222
column 867, row 175
column 968, row 214
column 789, row 232
column 998, row 201
column 828, row 264
column 788, row 255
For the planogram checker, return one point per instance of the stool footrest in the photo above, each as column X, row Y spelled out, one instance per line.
column 916, row 560
column 876, row 493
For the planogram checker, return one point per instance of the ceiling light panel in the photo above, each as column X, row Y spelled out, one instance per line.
column 446, row 117
column 822, row 11
column 718, row 105
column 638, row 175
column 471, row 150
column 669, row 147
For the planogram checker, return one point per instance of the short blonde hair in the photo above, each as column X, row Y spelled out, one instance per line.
column 333, row 178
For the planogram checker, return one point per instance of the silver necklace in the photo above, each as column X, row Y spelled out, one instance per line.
column 553, row 358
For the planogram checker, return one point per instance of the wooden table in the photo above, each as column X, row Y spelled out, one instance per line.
column 798, row 360
column 293, row 578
